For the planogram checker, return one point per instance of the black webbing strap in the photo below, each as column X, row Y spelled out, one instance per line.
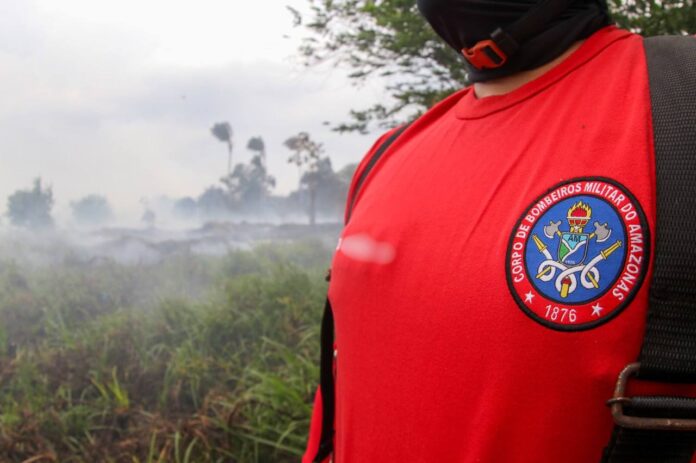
column 326, row 380
column 668, row 354
column 534, row 21
column 326, row 385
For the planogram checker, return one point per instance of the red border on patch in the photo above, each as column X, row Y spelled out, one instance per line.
column 582, row 316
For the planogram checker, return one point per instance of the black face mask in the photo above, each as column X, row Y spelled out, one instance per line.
column 464, row 23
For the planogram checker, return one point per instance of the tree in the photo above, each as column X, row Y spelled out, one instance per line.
column 331, row 188
column 31, row 208
column 257, row 145
column 223, row 132
column 249, row 184
column 389, row 39
column 214, row 202
column 91, row 210
column 655, row 17
column 346, row 173
column 306, row 154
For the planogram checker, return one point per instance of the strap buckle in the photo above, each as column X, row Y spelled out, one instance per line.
column 620, row 400
column 486, row 54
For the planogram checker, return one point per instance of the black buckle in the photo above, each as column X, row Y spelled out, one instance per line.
column 619, row 400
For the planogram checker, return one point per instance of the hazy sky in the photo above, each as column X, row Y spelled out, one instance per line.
column 117, row 97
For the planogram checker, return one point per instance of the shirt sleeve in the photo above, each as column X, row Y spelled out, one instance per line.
column 316, row 422
column 363, row 164
column 314, row 430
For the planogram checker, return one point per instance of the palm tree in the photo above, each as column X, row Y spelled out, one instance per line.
column 223, row 132
column 257, row 145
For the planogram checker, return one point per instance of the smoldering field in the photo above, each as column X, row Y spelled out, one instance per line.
column 155, row 345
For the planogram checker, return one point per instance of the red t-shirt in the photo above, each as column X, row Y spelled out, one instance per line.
column 490, row 284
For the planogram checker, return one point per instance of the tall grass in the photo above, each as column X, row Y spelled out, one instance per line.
column 106, row 363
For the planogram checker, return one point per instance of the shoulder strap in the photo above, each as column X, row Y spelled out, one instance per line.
column 663, row 429
column 326, row 380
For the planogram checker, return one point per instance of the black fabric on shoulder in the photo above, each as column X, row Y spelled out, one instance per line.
column 668, row 354
column 326, row 385
column 669, row 349
column 641, row 446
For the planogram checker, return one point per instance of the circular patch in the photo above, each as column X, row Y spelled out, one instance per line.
column 578, row 254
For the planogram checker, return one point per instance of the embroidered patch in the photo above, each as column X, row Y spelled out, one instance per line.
column 578, row 254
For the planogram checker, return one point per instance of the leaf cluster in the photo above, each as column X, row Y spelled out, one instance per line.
column 31, row 208
column 389, row 40
column 222, row 131
column 655, row 17
column 385, row 39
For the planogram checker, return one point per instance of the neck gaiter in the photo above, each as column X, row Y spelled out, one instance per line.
column 463, row 23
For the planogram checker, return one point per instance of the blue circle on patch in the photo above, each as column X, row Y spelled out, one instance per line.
column 575, row 232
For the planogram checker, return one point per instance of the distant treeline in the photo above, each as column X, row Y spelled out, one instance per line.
column 245, row 191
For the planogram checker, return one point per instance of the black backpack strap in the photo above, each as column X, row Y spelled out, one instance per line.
column 326, row 380
column 663, row 429
column 326, row 384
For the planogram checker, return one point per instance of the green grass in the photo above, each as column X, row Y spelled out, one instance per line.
column 190, row 360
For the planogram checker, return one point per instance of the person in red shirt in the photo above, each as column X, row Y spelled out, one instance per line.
column 489, row 284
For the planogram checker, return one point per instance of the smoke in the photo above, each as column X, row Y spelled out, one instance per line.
column 150, row 245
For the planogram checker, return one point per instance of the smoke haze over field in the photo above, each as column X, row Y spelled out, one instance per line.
column 117, row 98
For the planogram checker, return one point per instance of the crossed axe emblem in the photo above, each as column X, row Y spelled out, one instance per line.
column 566, row 278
